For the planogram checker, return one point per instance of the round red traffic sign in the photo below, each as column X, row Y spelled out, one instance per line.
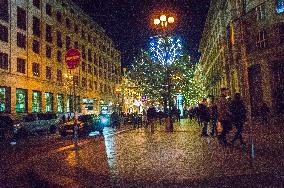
column 72, row 58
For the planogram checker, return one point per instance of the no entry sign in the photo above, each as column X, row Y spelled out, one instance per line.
column 72, row 58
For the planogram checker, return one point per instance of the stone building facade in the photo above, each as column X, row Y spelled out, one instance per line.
column 34, row 37
column 243, row 42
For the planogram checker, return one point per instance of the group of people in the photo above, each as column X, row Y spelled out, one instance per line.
column 225, row 111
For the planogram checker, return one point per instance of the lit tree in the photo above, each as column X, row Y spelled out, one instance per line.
column 149, row 70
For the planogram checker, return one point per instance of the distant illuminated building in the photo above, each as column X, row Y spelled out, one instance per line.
column 34, row 37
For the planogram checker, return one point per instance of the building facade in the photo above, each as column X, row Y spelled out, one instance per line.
column 243, row 42
column 34, row 37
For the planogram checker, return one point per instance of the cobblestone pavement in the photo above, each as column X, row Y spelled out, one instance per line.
column 139, row 158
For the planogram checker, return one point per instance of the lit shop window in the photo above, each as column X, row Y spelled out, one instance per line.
column 21, row 100
column 77, row 104
column 49, row 102
column 2, row 99
column 60, row 103
column 68, row 104
column 36, row 102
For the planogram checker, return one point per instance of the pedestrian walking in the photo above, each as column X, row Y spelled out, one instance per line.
column 224, row 115
column 151, row 115
column 204, row 116
column 178, row 113
column 213, row 116
column 264, row 111
column 238, row 111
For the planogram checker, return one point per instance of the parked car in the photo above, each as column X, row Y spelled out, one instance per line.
column 6, row 127
column 37, row 122
column 86, row 124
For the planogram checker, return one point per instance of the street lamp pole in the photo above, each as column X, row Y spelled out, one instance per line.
column 163, row 22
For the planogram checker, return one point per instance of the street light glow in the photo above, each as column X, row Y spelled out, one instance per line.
column 171, row 19
column 163, row 18
column 156, row 21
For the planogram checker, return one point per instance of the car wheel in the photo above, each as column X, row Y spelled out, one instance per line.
column 52, row 129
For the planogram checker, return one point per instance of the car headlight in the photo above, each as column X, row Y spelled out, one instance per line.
column 104, row 120
column 17, row 126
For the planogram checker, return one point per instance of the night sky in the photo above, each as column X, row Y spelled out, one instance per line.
column 128, row 22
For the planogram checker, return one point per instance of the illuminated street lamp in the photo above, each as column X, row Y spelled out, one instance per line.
column 164, row 22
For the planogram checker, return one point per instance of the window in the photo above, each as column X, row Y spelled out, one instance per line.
column 59, row 75
column 3, row 99
column 21, row 100
column 89, row 38
column 36, row 69
column 84, row 82
column 68, row 103
column 59, row 16
column 36, row 101
column 48, row 102
column 68, row 24
column 59, row 39
column 36, row 26
column 90, row 55
column 48, row 52
column 83, row 66
column 77, row 104
column 3, row 61
column 60, row 105
column 261, row 40
column 21, row 40
column 36, row 47
column 260, row 12
column 48, row 73
column 95, row 71
column 48, row 9
column 68, row 42
column 95, row 85
column 21, row 65
column 3, row 33
column 83, row 52
column 76, row 28
column 59, row 56
column 83, row 34
column 95, row 59
column 4, row 10
column 95, row 41
column 36, row 3
column 76, row 80
column 21, row 18
column 90, row 84
column 48, row 34
column 89, row 69
column 76, row 45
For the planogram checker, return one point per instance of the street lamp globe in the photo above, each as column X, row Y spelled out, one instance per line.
column 171, row 20
column 163, row 18
column 156, row 21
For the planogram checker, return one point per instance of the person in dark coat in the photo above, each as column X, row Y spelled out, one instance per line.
column 238, row 111
column 214, row 116
column 224, row 115
column 204, row 116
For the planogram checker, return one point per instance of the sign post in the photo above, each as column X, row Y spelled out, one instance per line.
column 72, row 60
